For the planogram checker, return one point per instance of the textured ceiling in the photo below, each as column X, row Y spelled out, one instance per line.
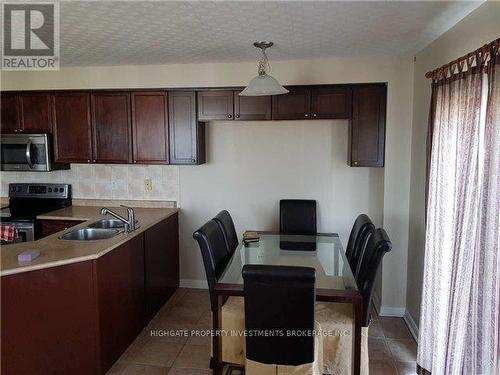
column 117, row 33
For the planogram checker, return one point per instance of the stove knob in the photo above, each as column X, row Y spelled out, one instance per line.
column 61, row 190
column 50, row 190
column 19, row 188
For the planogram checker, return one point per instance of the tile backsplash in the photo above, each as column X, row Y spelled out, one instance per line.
column 107, row 181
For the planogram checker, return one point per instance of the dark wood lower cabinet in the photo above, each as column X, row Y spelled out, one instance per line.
column 48, row 227
column 161, row 264
column 120, row 299
column 79, row 318
column 50, row 321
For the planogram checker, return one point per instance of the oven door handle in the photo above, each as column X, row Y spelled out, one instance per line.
column 28, row 154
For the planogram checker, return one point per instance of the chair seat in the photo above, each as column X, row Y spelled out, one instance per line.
column 336, row 322
column 314, row 368
column 233, row 320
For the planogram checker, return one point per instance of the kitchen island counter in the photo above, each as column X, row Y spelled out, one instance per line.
column 84, row 302
column 56, row 252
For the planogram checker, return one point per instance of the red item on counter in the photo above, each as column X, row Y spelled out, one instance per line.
column 8, row 233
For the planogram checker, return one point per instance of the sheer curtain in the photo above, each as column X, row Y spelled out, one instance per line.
column 460, row 316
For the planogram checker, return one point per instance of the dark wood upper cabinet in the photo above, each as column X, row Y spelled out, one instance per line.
column 153, row 127
column 36, row 114
column 10, row 119
column 367, row 130
column 331, row 103
column 150, row 127
column 296, row 105
column 187, row 135
column 215, row 105
column 72, row 127
column 111, row 127
column 252, row 107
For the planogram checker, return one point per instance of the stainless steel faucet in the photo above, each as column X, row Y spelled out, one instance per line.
column 129, row 222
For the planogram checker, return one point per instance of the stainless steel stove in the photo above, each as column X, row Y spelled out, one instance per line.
column 27, row 201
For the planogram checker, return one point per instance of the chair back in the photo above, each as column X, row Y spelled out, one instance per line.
column 226, row 224
column 378, row 244
column 298, row 216
column 279, row 299
column 214, row 253
column 360, row 232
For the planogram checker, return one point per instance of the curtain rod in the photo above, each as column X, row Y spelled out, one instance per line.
column 475, row 58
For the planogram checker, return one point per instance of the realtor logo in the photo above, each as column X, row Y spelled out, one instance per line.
column 30, row 36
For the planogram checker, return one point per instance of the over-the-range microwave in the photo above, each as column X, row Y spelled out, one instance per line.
column 27, row 152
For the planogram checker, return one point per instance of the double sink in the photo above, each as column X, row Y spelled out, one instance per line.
column 100, row 230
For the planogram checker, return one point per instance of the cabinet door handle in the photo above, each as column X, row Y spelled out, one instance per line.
column 88, row 160
column 229, row 116
column 314, row 114
column 193, row 160
column 237, row 116
column 306, row 115
column 93, row 161
column 15, row 130
column 135, row 161
column 355, row 163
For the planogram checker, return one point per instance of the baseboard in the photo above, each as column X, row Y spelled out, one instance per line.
column 192, row 283
column 392, row 311
column 412, row 326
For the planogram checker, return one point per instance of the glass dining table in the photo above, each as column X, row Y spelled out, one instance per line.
column 335, row 281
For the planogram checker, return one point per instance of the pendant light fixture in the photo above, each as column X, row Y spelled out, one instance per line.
column 263, row 84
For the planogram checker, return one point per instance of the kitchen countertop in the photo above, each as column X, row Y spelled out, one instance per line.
column 56, row 252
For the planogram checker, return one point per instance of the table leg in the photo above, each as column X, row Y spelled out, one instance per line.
column 216, row 360
column 358, row 317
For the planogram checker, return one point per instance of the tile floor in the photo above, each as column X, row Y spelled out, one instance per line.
column 392, row 349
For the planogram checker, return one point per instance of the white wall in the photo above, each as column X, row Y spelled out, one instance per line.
column 251, row 165
column 479, row 27
column 396, row 174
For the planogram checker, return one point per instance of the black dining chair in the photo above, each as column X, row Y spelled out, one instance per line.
column 226, row 224
column 377, row 246
column 338, row 316
column 279, row 299
column 214, row 253
column 298, row 216
column 360, row 232
column 215, row 259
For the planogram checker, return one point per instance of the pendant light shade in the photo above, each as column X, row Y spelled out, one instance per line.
column 263, row 84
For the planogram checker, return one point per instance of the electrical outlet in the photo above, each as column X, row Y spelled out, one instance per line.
column 148, row 184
